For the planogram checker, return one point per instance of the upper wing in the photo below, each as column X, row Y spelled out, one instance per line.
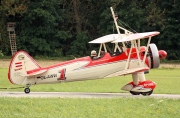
column 136, row 36
column 124, row 37
column 128, row 71
column 105, row 39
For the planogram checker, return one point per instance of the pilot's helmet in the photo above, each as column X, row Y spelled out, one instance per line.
column 93, row 53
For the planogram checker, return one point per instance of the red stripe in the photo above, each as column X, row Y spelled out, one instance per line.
column 18, row 63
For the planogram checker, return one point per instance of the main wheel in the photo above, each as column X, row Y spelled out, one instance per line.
column 134, row 93
column 27, row 90
column 147, row 93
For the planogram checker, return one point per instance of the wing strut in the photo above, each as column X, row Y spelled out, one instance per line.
column 137, row 51
column 117, row 47
column 100, row 50
column 104, row 46
column 128, row 61
column 146, row 49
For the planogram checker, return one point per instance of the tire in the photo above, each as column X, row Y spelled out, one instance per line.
column 134, row 93
column 27, row 90
column 147, row 93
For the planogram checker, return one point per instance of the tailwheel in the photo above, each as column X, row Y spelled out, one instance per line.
column 147, row 93
column 134, row 93
column 27, row 90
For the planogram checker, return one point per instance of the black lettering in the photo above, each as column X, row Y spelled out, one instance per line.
column 47, row 77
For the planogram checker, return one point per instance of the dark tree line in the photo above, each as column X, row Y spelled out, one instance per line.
column 64, row 27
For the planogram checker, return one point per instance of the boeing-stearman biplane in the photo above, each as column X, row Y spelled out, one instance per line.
column 135, row 60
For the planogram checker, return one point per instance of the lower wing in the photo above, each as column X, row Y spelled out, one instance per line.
column 128, row 71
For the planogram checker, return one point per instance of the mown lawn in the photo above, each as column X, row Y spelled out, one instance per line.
column 89, row 108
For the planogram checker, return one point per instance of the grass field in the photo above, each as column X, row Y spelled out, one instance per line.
column 89, row 108
column 167, row 81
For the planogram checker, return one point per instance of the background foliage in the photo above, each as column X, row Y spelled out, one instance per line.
column 64, row 27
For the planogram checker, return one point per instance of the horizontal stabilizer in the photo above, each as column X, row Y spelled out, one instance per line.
column 128, row 71
column 37, row 72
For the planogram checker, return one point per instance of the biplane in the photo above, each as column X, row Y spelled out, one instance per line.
column 123, row 59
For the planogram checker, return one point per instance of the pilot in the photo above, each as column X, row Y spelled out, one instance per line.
column 93, row 54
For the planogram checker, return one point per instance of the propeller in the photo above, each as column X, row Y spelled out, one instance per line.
column 156, row 55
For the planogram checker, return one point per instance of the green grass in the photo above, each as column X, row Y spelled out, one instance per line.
column 170, row 61
column 167, row 80
column 89, row 108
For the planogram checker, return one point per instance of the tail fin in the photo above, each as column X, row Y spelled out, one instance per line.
column 19, row 65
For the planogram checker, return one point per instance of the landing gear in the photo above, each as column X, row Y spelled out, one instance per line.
column 27, row 90
column 140, row 85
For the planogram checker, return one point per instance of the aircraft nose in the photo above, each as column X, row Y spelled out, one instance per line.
column 162, row 54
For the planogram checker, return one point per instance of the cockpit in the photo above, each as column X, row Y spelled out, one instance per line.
column 108, row 46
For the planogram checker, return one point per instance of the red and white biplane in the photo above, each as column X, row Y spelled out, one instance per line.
column 123, row 60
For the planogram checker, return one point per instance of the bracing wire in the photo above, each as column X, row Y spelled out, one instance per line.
column 125, row 25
